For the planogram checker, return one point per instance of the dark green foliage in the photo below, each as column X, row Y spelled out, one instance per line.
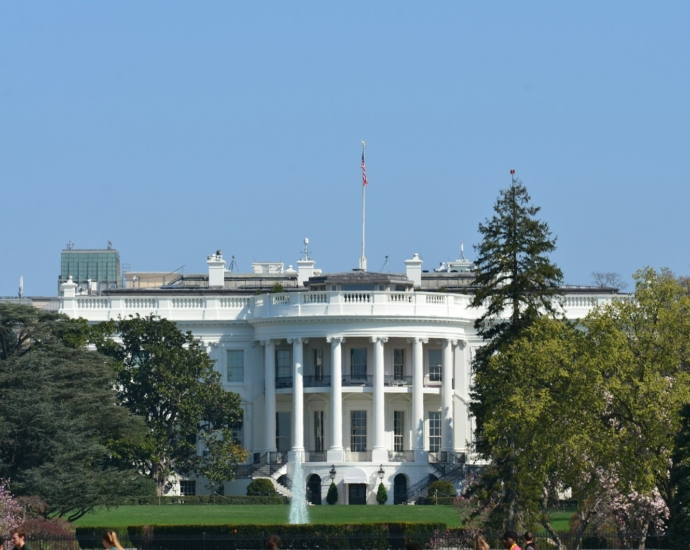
column 440, row 501
column 381, row 494
column 278, row 288
column 441, row 489
column 375, row 536
column 202, row 500
column 332, row 495
column 517, row 283
column 166, row 376
column 261, row 487
column 679, row 523
column 63, row 437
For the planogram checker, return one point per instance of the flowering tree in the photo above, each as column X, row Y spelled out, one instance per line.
column 11, row 512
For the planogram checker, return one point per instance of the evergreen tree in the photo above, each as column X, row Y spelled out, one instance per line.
column 679, row 523
column 515, row 283
column 332, row 495
column 381, row 494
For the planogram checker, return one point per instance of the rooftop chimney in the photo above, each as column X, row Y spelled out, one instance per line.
column 414, row 270
column 216, row 270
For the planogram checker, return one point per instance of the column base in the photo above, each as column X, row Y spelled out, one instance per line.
column 379, row 455
column 294, row 453
column 335, row 455
column 421, row 456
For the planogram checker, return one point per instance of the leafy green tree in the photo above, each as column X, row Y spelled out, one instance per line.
column 166, row 376
column 63, row 437
column 261, row 487
column 679, row 524
column 332, row 495
column 381, row 494
column 441, row 488
column 515, row 284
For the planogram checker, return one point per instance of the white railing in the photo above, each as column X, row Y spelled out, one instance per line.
column 356, row 297
column 435, row 298
column 280, row 299
column 580, row 301
column 187, row 303
column 314, row 298
column 234, row 302
column 93, row 303
column 400, row 297
column 141, row 303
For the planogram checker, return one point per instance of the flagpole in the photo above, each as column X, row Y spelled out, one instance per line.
column 363, row 259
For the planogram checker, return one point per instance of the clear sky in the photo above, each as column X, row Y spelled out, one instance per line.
column 174, row 129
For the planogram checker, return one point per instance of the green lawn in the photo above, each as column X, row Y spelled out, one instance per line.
column 123, row 516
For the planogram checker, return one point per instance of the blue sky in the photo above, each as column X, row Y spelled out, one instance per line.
column 174, row 129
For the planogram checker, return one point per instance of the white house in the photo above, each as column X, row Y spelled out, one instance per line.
column 365, row 376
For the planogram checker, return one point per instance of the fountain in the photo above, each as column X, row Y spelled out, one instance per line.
column 298, row 503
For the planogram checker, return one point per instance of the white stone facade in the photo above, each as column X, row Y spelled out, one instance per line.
column 353, row 380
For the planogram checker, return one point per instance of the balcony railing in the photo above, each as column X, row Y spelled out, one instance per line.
column 358, row 456
column 283, row 382
column 358, row 380
column 315, row 456
column 317, row 381
column 401, row 456
column 397, row 381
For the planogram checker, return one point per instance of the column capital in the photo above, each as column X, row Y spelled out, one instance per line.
column 459, row 343
column 374, row 339
column 335, row 339
column 417, row 340
column 267, row 342
column 298, row 340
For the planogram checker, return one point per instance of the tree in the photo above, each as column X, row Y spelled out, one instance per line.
column 63, row 437
column 609, row 279
column 11, row 511
column 332, row 495
column 679, row 524
column 166, row 376
column 261, row 487
column 515, row 284
column 381, row 494
column 441, row 489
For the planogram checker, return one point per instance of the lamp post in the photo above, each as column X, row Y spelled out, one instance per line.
column 331, row 472
column 381, row 472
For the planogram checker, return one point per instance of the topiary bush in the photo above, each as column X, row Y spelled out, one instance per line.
column 381, row 494
column 444, row 488
column 332, row 495
column 261, row 487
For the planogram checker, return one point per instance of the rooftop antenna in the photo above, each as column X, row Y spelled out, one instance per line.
column 305, row 252
column 462, row 251
column 70, row 245
column 363, row 259
column 110, row 245
column 233, row 266
column 21, row 286
column 386, row 264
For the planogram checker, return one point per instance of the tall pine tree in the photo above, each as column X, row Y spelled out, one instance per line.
column 515, row 284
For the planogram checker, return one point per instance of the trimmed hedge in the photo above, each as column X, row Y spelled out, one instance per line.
column 201, row 499
column 370, row 536
column 445, row 501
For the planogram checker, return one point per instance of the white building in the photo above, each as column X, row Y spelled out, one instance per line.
column 363, row 375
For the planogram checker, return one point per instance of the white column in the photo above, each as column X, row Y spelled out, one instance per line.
column 335, row 452
column 297, row 397
column 379, row 451
column 418, row 400
column 447, row 396
column 270, row 394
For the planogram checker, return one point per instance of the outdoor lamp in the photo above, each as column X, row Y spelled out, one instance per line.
column 381, row 472
column 332, row 471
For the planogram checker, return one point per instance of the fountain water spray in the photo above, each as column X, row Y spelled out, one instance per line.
column 298, row 504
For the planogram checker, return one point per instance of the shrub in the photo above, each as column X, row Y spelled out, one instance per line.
column 278, row 288
column 261, row 487
column 444, row 488
column 381, row 494
column 200, row 499
column 332, row 496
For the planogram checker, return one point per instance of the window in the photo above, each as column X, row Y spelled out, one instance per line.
column 358, row 428
column 398, row 430
column 283, row 363
column 283, row 431
column 398, row 364
column 188, row 487
column 318, row 431
column 358, row 362
column 238, row 432
column 318, row 364
column 435, row 365
column 235, row 365
column 434, row 432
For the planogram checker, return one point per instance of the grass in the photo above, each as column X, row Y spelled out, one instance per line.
column 123, row 516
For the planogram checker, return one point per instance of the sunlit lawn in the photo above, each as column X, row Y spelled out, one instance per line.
column 123, row 516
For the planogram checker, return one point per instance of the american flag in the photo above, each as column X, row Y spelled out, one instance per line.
column 364, row 171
